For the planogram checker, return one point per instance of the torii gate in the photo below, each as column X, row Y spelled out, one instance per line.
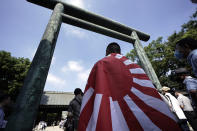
column 25, row 109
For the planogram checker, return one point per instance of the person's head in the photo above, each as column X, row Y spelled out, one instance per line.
column 177, row 93
column 5, row 99
column 165, row 89
column 78, row 91
column 182, row 73
column 113, row 48
column 184, row 47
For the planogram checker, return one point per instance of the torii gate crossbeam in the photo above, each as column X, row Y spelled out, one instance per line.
column 25, row 109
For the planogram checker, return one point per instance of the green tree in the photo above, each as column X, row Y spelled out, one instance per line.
column 12, row 73
column 161, row 54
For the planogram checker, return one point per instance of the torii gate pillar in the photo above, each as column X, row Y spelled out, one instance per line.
column 27, row 103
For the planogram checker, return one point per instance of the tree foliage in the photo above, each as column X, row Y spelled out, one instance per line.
column 161, row 53
column 12, row 73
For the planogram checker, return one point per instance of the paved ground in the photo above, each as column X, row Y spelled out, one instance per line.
column 50, row 128
column 55, row 128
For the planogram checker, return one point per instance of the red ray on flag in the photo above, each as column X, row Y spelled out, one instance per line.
column 119, row 96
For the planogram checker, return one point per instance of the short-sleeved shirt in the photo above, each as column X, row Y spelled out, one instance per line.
column 192, row 60
column 191, row 83
column 185, row 102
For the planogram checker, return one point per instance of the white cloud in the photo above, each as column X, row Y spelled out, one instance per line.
column 78, row 3
column 77, row 70
column 72, row 66
column 78, row 33
column 74, row 31
column 52, row 79
column 83, row 76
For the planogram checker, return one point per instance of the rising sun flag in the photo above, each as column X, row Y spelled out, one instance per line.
column 119, row 96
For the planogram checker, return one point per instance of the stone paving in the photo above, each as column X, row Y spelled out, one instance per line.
column 51, row 128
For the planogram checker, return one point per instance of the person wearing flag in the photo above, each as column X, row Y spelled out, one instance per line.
column 119, row 96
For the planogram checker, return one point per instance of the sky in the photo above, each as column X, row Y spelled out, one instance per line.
column 22, row 25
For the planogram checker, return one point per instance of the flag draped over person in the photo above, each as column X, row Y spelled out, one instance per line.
column 120, row 97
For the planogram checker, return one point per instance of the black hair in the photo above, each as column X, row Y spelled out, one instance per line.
column 113, row 48
column 78, row 91
column 3, row 97
column 187, row 42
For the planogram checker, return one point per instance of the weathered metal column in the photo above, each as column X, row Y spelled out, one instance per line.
column 25, row 109
column 146, row 65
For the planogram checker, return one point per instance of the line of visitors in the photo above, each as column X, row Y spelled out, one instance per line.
column 181, row 108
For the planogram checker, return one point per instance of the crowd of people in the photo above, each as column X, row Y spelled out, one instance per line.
column 185, row 108
column 119, row 95
column 181, row 107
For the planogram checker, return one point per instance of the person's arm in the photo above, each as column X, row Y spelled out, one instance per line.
column 191, row 85
column 194, row 63
column 181, row 104
column 70, row 109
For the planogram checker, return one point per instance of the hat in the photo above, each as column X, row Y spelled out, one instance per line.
column 165, row 88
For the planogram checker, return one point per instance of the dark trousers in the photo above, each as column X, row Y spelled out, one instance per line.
column 183, row 124
column 75, row 123
column 192, row 119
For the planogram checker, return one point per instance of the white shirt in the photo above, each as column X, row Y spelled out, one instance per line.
column 185, row 102
column 174, row 106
